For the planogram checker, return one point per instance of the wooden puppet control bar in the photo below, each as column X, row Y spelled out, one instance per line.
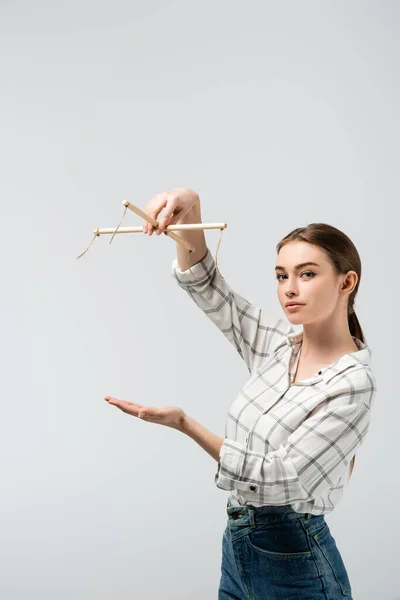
column 168, row 230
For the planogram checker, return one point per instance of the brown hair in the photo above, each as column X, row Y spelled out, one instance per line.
column 344, row 257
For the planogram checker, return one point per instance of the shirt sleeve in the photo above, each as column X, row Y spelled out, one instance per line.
column 253, row 331
column 312, row 458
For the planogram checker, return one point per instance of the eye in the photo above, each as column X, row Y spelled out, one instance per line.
column 305, row 273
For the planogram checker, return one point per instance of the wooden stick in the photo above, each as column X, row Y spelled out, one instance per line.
column 155, row 224
column 168, row 230
column 176, row 227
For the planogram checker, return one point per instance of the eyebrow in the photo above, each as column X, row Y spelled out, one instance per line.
column 300, row 266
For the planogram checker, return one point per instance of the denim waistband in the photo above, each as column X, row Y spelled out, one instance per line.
column 257, row 515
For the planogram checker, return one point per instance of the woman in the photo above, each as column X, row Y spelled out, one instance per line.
column 298, row 421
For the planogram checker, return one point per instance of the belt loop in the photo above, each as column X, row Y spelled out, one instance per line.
column 251, row 518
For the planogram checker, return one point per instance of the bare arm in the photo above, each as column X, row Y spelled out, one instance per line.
column 195, row 237
column 210, row 442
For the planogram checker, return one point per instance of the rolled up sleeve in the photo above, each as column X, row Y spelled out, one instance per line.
column 253, row 331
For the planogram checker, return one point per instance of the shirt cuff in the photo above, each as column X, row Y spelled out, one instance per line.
column 230, row 459
column 201, row 270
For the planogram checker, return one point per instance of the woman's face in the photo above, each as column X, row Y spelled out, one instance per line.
column 315, row 286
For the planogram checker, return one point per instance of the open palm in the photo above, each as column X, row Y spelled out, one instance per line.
column 170, row 416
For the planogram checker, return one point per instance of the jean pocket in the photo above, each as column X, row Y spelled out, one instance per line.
column 283, row 540
column 327, row 545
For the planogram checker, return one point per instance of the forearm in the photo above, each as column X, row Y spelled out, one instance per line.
column 210, row 442
column 195, row 237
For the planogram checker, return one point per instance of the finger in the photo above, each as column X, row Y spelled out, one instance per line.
column 152, row 209
column 112, row 399
column 165, row 200
column 129, row 410
column 147, row 209
column 128, row 407
column 168, row 218
column 120, row 406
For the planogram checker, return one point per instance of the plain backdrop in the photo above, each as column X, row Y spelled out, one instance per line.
column 278, row 114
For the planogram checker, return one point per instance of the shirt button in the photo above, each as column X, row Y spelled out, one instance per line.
column 253, row 488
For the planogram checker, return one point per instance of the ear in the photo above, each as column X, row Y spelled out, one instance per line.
column 349, row 282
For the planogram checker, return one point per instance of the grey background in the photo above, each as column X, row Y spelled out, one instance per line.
column 278, row 114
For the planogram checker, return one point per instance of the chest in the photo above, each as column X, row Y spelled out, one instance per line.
column 306, row 371
column 301, row 369
column 271, row 405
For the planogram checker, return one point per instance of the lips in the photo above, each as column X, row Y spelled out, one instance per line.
column 293, row 307
column 294, row 304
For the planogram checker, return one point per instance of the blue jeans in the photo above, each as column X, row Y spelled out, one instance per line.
column 275, row 553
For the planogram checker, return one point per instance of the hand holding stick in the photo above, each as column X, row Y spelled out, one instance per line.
column 168, row 230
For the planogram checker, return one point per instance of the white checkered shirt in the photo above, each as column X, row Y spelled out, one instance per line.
column 285, row 443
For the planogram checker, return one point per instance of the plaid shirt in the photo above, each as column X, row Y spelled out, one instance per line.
column 285, row 443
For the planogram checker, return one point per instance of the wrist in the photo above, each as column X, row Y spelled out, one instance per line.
column 185, row 423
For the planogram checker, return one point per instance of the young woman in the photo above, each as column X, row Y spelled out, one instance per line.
column 295, row 426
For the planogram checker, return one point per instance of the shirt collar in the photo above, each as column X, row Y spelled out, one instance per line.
column 360, row 356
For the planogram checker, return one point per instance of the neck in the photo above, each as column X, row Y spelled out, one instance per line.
column 327, row 339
